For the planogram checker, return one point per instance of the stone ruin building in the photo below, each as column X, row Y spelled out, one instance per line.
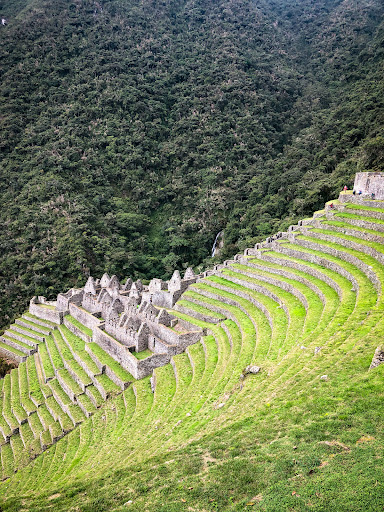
column 369, row 183
column 130, row 318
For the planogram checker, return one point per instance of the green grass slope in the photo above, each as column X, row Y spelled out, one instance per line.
column 303, row 434
column 132, row 132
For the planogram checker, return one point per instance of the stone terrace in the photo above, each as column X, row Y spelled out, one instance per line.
column 281, row 305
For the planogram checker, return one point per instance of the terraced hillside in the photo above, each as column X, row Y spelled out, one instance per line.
column 304, row 433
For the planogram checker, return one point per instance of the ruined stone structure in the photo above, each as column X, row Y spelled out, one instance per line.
column 130, row 318
column 369, row 183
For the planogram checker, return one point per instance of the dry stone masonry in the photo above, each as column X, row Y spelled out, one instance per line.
column 130, row 318
column 92, row 343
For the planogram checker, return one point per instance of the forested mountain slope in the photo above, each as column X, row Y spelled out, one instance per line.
column 133, row 131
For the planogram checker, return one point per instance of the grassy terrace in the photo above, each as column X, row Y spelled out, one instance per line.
column 143, row 354
column 38, row 321
column 198, row 308
column 77, row 345
column 33, row 326
column 106, row 359
column 339, row 224
column 343, row 215
column 297, row 308
column 46, row 362
column 268, row 340
column 29, row 334
column 208, row 439
column 80, row 326
column 351, row 206
column 11, row 349
column 24, row 347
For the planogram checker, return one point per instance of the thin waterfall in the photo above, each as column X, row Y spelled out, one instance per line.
column 215, row 243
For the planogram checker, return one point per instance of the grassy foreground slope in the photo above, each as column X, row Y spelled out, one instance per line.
column 133, row 131
column 306, row 433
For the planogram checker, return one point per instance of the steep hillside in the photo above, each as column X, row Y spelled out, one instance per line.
column 133, row 131
column 303, row 431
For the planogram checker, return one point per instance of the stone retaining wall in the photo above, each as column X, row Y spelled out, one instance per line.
column 349, row 258
column 15, row 345
column 364, row 201
column 263, row 291
column 283, row 285
column 228, row 333
column 230, row 302
column 303, row 268
column 138, row 368
column 350, row 231
column 76, row 331
column 370, row 182
column 83, row 316
column 11, row 355
column 357, row 222
column 196, row 314
column 318, row 260
column 350, row 244
column 36, row 307
column 288, row 275
column 365, row 213
column 252, row 300
column 18, row 327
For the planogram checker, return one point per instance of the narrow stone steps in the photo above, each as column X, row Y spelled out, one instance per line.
column 86, row 405
column 34, row 390
column 59, row 415
column 44, row 365
column 25, row 400
column 77, row 347
column 113, row 370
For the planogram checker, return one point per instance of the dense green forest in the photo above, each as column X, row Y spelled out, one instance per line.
column 132, row 131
